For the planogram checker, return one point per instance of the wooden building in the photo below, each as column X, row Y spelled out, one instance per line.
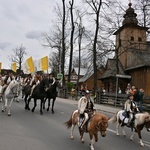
column 88, row 79
column 132, row 53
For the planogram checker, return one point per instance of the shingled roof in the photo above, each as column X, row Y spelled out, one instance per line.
column 88, row 74
column 141, row 59
column 111, row 69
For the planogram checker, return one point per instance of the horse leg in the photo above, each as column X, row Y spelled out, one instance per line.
column 131, row 137
column 123, row 132
column 25, row 100
column 117, row 128
column 44, row 103
column 140, row 137
column 53, row 105
column 81, row 135
column 35, row 104
column 41, row 107
column 92, row 141
column 28, row 102
column 71, row 134
column 49, row 101
column 3, row 105
column 9, row 106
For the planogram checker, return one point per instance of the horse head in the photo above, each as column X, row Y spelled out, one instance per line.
column 44, row 83
column 102, row 125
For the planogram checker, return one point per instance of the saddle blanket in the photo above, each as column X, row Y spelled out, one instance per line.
column 122, row 116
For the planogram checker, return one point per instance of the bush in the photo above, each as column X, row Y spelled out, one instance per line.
column 69, row 86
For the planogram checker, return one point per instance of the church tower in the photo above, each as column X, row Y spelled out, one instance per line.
column 130, row 37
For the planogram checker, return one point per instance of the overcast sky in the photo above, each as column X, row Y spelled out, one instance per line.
column 23, row 22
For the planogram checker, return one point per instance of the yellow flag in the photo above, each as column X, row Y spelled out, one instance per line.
column 44, row 63
column 30, row 64
column 14, row 66
column 0, row 66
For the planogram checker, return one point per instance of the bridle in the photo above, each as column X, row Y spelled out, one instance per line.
column 100, row 127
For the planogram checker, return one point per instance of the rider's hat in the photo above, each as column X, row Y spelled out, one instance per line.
column 87, row 91
column 130, row 95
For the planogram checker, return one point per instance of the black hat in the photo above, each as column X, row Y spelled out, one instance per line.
column 130, row 95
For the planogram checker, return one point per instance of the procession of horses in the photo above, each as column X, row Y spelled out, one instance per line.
column 45, row 90
column 14, row 88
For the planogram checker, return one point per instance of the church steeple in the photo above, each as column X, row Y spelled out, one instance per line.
column 130, row 16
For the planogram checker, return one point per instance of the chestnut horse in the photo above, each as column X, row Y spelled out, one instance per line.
column 98, row 122
column 141, row 120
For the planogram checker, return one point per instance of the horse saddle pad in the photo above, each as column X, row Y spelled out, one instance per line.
column 123, row 116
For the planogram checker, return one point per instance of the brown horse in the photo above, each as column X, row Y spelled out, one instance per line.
column 98, row 122
column 141, row 120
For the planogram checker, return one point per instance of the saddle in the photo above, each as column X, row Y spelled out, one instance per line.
column 81, row 119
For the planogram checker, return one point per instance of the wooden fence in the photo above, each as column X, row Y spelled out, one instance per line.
column 116, row 100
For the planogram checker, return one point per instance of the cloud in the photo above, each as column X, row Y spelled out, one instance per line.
column 34, row 34
column 4, row 45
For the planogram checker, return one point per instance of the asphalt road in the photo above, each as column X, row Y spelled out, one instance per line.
column 25, row 130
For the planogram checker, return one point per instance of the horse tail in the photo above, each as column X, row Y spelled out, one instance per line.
column 113, row 119
column 69, row 122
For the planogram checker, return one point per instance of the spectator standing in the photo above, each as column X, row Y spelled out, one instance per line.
column 119, row 90
column 128, row 89
column 136, row 95
column 141, row 94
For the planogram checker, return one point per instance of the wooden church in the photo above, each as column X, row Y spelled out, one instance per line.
column 132, row 59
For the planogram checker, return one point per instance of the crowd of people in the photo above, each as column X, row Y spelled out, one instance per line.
column 138, row 95
column 32, row 79
column 133, row 104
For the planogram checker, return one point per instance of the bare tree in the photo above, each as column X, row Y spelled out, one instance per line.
column 18, row 56
column 95, row 5
column 143, row 9
column 71, row 38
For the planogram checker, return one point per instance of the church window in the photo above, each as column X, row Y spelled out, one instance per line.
column 132, row 38
column 139, row 39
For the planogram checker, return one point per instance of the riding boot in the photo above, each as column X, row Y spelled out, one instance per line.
column 122, row 124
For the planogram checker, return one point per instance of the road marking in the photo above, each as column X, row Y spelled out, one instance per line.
column 111, row 130
column 146, row 143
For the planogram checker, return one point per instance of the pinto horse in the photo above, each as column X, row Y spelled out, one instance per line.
column 141, row 120
column 39, row 92
column 51, row 93
column 98, row 122
column 8, row 96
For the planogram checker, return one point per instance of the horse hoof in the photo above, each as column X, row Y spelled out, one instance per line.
column 3, row 110
column 142, row 144
column 131, row 139
column 82, row 140
column 41, row 113
column 118, row 134
column 72, row 138
column 9, row 114
column 53, row 112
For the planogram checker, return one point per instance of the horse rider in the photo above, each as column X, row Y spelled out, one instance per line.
column 6, row 80
column 34, row 82
column 131, row 109
column 51, row 79
column 85, row 107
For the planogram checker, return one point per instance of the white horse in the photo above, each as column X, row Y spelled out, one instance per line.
column 8, row 96
column 141, row 120
column 16, row 98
